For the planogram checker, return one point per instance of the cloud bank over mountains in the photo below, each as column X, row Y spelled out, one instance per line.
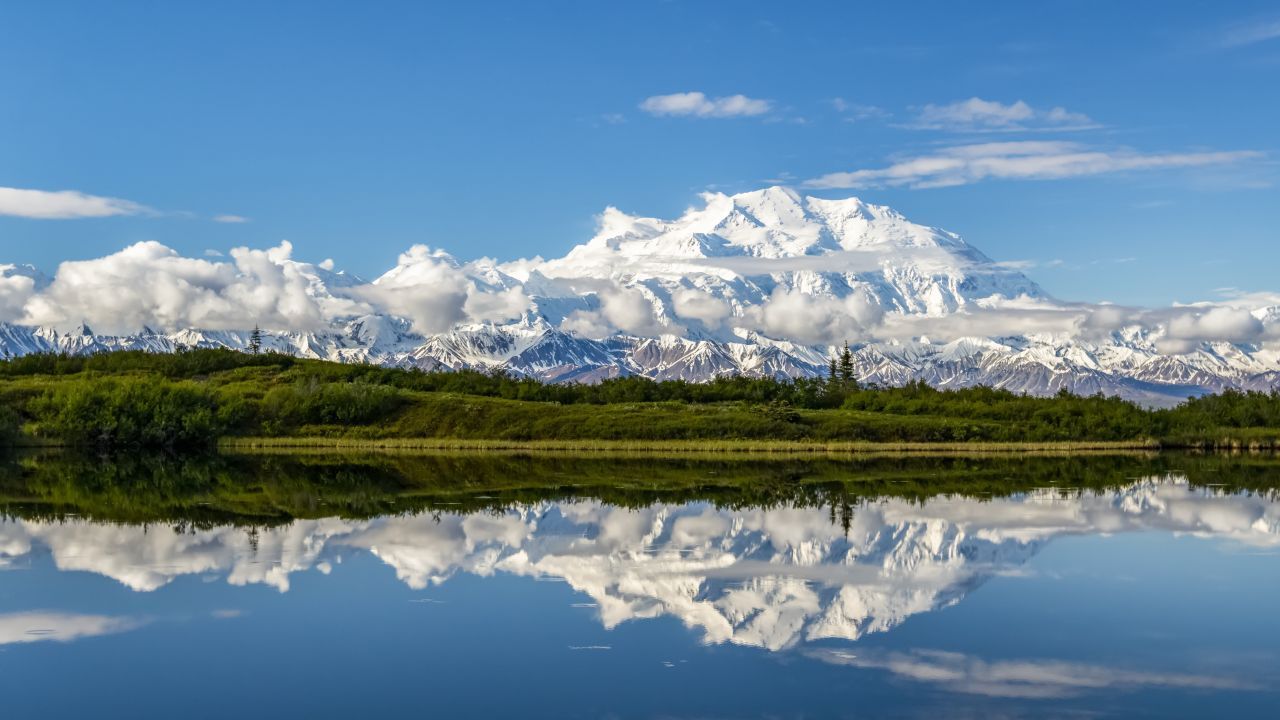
column 761, row 283
column 611, row 280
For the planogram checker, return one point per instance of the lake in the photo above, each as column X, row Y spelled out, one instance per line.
column 512, row 586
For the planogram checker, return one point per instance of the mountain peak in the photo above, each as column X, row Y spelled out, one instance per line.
column 761, row 283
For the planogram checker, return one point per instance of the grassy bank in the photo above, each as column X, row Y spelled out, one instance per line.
column 714, row 448
column 199, row 398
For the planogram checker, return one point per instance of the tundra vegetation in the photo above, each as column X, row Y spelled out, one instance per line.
column 195, row 398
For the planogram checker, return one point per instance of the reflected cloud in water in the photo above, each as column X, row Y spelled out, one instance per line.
column 42, row 626
column 771, row 578
column 1033, row 679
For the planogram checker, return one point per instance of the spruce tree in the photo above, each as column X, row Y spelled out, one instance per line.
column 255, row 340
column 846, row 366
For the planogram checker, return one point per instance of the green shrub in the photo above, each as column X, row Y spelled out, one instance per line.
column 128, row 411
column 10, row 426
column 310, row 402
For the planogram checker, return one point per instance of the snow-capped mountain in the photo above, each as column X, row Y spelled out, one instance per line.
column 761, row 283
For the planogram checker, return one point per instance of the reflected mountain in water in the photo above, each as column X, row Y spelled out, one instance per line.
column 771, row 578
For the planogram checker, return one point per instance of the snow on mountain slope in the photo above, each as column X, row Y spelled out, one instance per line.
column 764, row 283
column 742, row 248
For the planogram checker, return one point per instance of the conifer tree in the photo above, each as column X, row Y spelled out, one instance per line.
column 846, row 366
column 255, row 340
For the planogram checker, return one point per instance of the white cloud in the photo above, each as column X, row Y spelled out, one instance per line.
column 63, row 205
column 978, row 115
column 15, row 290
column 696, row 104
column 588, row 324
column 434, row 291
column 1188, row 327
column 1022, row 160
column 425, row 286
column 1174, row 330
column 148, row 284
column 816, row 319
column 496, row 306
column 629, row 310
column 701, row 306
column 230, row 219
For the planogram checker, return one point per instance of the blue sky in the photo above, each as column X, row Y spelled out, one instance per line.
column 499, row 129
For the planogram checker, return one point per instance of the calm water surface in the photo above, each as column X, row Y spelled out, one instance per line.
column 1155, row 595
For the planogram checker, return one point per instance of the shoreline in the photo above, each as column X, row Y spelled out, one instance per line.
column 778, row 448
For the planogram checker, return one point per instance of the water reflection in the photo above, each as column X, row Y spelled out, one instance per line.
column 1034, row 679
column 770, row 578
column 29, row 627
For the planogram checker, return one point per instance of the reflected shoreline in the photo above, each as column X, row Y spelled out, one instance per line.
column 814, row 560
column 770, row 576
column 270, row 489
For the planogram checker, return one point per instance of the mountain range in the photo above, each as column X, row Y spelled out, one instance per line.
column 764, row 283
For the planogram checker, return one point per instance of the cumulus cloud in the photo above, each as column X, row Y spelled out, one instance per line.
column 588, row 324
column 701, row 306
column 434, row 291
column 696, row 104
column 15, row 290
column 63, row 204
column 1188, row 327
column 1173, row 330
column 1021, row 160
column 816, row 319
column 148, row 284
column 495, row 306
column 151, row 285
column 978, row 115
column 629, row 310
column 425, row 286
